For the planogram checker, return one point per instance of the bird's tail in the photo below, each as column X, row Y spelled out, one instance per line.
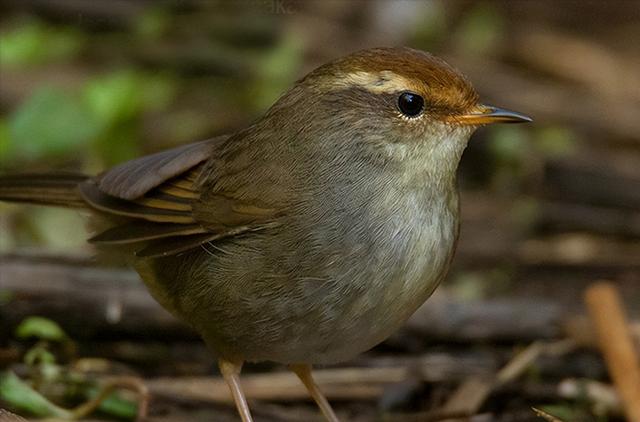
column 57, row 189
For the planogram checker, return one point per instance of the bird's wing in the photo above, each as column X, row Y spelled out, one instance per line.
column 135, row 178
column 154, row 198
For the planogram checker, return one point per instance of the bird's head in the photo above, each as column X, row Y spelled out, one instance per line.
column 399, row 100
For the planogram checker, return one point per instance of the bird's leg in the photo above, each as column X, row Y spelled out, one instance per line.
column 231, row 373
column 303, row 371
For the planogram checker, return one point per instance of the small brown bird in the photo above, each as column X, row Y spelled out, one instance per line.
column 309, row 236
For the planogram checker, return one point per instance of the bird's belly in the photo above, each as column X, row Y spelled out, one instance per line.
column 392, row 285
column 318, row 308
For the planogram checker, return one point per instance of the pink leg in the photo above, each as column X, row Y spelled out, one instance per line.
column 303, row 371
column 231, row 373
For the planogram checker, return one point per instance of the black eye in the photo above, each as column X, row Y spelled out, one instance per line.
column 410, row 104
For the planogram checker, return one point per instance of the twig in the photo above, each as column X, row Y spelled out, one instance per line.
column 354, row 383
column 471, row 395
column 607, row 315
column 111, row 385
column 343, row 383
column 546, row 416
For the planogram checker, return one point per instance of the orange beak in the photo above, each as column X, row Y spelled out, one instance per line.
column 483, row 115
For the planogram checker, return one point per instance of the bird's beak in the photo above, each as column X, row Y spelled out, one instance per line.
column 483, row 115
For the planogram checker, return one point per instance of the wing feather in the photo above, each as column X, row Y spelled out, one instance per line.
column 164, row 214
column 134, row 178
column 175, row 245
column 116, row 206
column 140, row 231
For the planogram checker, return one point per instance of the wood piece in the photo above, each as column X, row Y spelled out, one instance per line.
column 607, row 315
column 591, row 184
column 587, row 253
column 113, row 301
column 546, row 416
column 99, row 302
column 88, row 300
column 354, row 383
column 471, row 395
column 444, row 317
column 568, row 217
column 280, row 386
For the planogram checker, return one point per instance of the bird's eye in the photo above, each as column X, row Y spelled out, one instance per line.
column 410, row 104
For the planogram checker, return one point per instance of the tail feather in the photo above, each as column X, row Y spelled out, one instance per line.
column 58, row 189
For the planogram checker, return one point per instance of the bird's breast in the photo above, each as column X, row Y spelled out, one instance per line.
column 384, row 263
column 411, row 252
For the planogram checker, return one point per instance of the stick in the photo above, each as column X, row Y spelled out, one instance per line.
column 614, row 337
column 355, row 383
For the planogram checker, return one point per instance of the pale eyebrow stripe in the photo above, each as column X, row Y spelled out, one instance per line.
column 376, row 82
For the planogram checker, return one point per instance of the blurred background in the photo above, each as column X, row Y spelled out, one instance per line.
column 548, row 207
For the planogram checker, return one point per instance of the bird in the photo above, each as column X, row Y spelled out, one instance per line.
column 310, row 235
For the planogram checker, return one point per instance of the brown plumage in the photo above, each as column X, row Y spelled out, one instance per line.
column 59, row 189
column 309, row 236
column 447, row 89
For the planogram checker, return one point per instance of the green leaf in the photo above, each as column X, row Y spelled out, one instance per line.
column 20, row 396
column 6, row 296
column 35, row 43
column 119, row 144
column 115, row 97
column 115, row 405
column 4, row 138
column 564, row 412
column 153, row 23
column 481, row 29
column 42, row 328
column 51, row 122
column 277, row 70
column 39, row 355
